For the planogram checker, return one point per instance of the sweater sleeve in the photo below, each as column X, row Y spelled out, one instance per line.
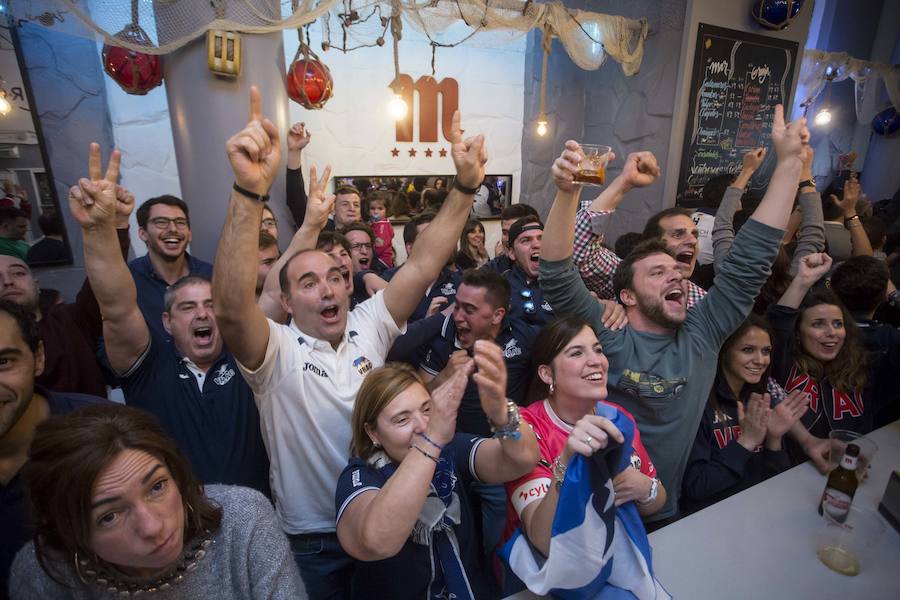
column 28, row 581
column 711, row 470
column 742, row 275
column 295, row 195
column 273, row 572
column 723, row 226
column 782, row 319
column 811, row 236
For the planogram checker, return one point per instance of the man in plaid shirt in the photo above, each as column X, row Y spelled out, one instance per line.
column 673, row 226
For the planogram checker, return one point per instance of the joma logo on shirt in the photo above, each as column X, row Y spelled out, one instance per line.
column 511, row 350
column 223, row 375
column 317, row 370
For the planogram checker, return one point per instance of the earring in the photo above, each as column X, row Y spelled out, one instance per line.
column 376, row 444
column 552, row 389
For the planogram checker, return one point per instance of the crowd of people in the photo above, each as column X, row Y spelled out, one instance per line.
column 322, row 421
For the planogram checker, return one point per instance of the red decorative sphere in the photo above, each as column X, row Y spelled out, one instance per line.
column 309, row 82
column 136, row 72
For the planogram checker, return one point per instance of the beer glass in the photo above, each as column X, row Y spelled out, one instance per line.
column 592, row 170
column 849, row 547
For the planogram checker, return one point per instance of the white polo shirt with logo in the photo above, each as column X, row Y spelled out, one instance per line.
column 305, row 391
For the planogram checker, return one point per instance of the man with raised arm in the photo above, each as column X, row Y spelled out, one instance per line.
column 665, row 359
column 192, row 384
column 305, row 375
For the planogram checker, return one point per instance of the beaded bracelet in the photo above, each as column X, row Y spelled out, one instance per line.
column 432, row 442
column 436, row 461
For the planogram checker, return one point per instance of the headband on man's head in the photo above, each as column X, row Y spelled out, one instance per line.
column 521, row 226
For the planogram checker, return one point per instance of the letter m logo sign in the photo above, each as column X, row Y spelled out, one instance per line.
column 428, row 90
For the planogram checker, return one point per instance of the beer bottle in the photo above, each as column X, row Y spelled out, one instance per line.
column 841, row 487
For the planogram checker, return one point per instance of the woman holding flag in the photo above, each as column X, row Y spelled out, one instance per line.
column 579, row 507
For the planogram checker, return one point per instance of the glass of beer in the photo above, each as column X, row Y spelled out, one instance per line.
column 592, row 170
column 851, row 546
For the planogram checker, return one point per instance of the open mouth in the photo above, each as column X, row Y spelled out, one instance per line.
column 685, row 257
column 535, row 258
column 675, row 296
column 330, row 313
column 364, row 263
column 594, row 377
column 172, row 242
column 829, row 347
column 203, row 335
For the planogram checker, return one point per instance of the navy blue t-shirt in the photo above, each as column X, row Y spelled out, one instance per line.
column 446, row 285
column 527, row 299
column 408, row 574
column 15, row 509
column 217, row 429
column 151, row 290
column 516, row 338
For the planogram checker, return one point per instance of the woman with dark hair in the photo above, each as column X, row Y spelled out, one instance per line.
column 739, row 441
column 819, row 349
column 401, row 503
column 572, row 368
column 472, row 253
column 119, row 513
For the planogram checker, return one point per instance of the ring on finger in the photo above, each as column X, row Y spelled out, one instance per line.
column 588, row 440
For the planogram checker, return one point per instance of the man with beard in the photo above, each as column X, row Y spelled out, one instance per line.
column 665, row 359
column 70, row 332
column 24, row 405
column 305, row 375
column 191, row 385
column 674, row 226
column 165, row 226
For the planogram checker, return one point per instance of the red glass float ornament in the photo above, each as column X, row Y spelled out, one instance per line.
column 309, row 82
column 136, row 72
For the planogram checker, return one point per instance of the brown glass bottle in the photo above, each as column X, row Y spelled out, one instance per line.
column 841, row 487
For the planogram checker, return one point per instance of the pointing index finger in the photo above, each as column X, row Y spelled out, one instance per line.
column 455, row 128
column 779, row 116
column 255, row 104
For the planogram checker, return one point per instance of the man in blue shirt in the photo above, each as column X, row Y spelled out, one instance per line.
column 192, row 385
column 524, row 248
column 165, row 226
column 23, row 406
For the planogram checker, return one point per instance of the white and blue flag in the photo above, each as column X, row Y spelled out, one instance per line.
column 597, row 550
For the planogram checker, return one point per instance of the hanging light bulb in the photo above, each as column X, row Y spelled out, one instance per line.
column 823, row 117
column 397, row 107
column 5, row 106
column 542, row 128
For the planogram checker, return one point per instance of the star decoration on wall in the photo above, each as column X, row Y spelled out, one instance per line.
column 428, row 152
column 412, row 152
column 442, row 153
column 395, row 153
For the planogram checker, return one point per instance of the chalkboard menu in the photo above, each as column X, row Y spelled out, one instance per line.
column 737, row 80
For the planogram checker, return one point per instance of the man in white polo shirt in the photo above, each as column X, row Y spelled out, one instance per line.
column 305, row 375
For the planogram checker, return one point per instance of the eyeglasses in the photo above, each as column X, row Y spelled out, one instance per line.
column 360, row 246
column 528, row 302
column 269, row 223
column 164, row 222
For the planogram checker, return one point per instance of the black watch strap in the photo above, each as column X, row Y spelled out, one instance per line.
column 249, row 194
column 807, row 183
column 463, row 188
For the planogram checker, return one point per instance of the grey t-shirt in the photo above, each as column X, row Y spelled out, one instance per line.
column 667, row 377
column 249, row 558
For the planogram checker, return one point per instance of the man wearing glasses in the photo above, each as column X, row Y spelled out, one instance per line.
column 165, row 227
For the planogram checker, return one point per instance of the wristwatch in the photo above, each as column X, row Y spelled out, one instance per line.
column 811, row 182
column 654, row 492
column 510, row 431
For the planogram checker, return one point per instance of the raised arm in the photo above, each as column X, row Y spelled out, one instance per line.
column 254, row 153
column 723, row 226
column 811, row 237
column 94, row 206
column 438, row 242
column 858, row 238
column 791, row 141
column 811, row 269
column 297, row 139
column 318, row 208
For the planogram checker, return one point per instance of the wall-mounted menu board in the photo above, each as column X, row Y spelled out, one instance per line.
column 737, row 80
